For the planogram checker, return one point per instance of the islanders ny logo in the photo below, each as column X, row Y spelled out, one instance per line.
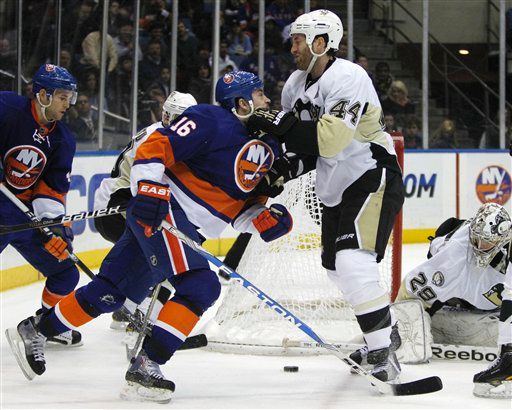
column 493, row 185
column 23, row 166
column 252, row 162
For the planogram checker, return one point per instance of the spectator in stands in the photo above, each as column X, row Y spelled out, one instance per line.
column 398, row 103
column 89, row 86
column 412, row 134
column 8, row 64
column 66, row 59
column 150, row 110
column 491, row 136
column 187, row 54
column 124, row 41
column 81, row 120
column 362, row 61
column 224, row 59
column 281, row 11
column 163, row 82
column 156, row 34
column 240, row 45
column 448, row 135
column 343, row 49
column 120, row 86
column 152, row 64
column 203, row 55
column 382, row 79
column 114, row 17
column 389, row 123
column 155, row 11
column 201, row 85
column 91, row 48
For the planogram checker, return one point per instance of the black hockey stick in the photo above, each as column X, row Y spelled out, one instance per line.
column 422, row 386
column 97, row 213
column 22, row 207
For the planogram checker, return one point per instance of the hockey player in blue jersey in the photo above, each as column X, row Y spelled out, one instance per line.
column 36, row 152
column 197, row 174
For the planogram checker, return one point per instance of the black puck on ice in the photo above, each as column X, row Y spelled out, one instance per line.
column 291, row 369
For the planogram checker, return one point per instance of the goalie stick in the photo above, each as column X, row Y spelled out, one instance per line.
column 422, row 386
column 46, row 231
column 97, row 213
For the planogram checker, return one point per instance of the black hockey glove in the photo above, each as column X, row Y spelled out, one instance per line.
column 298, row 136
column 272, row 122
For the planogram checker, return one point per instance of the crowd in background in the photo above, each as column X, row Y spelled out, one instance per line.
column 80, row 53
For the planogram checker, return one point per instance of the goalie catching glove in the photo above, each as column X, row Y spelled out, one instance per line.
column 273, row 223
column 59, row 244
column 151, row 205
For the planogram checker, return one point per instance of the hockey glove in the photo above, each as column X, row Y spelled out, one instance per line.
column 151, row 205
column 59, row 244
column 273, row 223
column 272, row 122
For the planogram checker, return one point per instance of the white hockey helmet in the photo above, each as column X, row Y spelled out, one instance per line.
column 316, row 23
column 489, row 231
column 175, row 104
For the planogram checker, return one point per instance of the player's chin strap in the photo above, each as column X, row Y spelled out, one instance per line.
column 44, row 107
column 242, row 116
column 314, row 58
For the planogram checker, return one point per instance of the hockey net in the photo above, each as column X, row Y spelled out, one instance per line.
column 289, row 270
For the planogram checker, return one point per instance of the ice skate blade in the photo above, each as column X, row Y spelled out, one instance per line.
column 486, row 390
column 115, row 325
column 15, row 341
column 136, row 392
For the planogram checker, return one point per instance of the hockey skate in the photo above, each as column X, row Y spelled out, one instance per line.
column 385, row 364
column 360, row 356
column 145, row 382
column 496, row 380
column 71, row 338
column 120, row 320
column 27, row 345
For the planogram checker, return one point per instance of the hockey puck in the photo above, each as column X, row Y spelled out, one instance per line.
column 291, row 369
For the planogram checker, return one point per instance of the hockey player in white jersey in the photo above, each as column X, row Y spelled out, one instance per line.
column 115, row 191
column 331, row 111
column 469, row 266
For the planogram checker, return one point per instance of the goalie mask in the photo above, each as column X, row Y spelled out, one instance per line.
column 489, row 231
column 174, row 106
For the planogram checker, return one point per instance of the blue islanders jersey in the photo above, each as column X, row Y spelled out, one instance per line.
column 211, row 164
column 36, row 158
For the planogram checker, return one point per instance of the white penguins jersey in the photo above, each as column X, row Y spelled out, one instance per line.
column 350, row 129
column 451, row 272
column 120, row 175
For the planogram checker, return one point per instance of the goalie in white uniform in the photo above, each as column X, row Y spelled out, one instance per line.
column 115, row 191
column 331, row 111
column 469, row 266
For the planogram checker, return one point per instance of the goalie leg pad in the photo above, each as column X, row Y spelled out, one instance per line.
column 414, row 329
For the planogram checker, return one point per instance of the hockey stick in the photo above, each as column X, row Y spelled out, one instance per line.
column 46, row 231
column 427, row 385
column 131, row 353
column 97, row 213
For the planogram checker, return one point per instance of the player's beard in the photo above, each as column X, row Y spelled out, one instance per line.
column 302, row 62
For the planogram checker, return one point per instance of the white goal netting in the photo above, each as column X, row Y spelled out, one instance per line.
column 289, row 270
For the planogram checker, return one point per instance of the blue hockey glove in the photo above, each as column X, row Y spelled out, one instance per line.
column 151, row 205
column 273, row 223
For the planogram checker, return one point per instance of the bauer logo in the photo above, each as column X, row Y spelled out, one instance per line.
column 493, row 185
column 252, row 163
column 23, row 166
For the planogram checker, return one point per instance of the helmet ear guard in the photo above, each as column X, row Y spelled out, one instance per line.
column 489, row 231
